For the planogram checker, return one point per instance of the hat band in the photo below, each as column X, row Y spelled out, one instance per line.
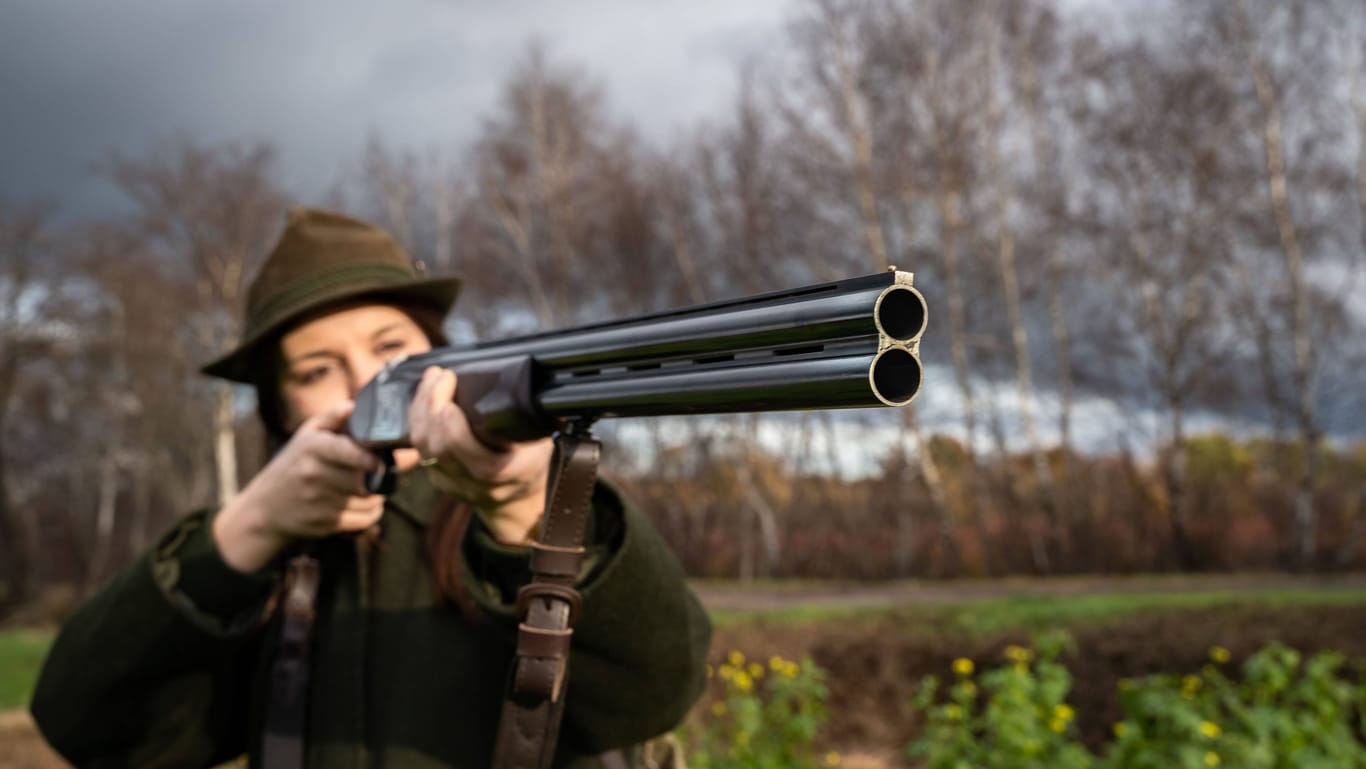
column 300, row 294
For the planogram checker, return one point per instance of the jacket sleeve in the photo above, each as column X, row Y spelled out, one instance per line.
column 154, row 669
column 639, row 650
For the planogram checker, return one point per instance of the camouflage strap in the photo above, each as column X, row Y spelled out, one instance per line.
column 549, row 604
column 282, row 745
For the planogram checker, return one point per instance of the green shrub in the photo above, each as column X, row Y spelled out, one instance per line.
column 1284, row 713
column 765, row 717
column 1011, row 717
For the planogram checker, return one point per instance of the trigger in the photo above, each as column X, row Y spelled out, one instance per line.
column 384, row 480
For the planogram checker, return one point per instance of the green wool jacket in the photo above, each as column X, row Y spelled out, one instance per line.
column 168, row 665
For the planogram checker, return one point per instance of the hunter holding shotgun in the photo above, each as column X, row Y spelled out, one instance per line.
column 310, row 622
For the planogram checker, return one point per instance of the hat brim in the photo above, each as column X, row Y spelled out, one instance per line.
column 435, row 294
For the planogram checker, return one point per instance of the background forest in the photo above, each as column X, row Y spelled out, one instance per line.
column 1142, row 244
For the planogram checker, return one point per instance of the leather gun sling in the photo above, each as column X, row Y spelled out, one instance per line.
column 529, row 724
column 282, row 745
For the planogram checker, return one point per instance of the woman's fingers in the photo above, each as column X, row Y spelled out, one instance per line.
column 438, row 428
column 342, row 452
column 360, row 513
column 330, row 421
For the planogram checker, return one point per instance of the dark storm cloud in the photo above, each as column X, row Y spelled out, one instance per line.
column 81, row 79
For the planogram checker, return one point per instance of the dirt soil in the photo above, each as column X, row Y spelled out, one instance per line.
column 875, row 666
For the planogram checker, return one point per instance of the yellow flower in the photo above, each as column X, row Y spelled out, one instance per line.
column 1064, row 712
column 718, row 709
column 1190, row 683
column 962, row 666
column 743, row 682
column 953, row 712
column 742, row 739
column 969, row 688
column 791, row 670
column 1219, row 654
column 1020, row 667
column 1210, row 729
column 1119, row 728
column 736, row 658
column 776, row 663
column 1058, row 725
column 726, row 672
column 1211, row 759
column 832, row 759
column 1018, row 654
column 756, row 670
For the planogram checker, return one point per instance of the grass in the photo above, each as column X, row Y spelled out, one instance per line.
column 21, row 652
column 1031, row 613
column 985, row 617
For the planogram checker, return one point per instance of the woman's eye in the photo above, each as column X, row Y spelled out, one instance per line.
column 312, row 375
column 391, row 347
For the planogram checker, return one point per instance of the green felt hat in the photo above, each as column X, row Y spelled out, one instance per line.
column 324, row 257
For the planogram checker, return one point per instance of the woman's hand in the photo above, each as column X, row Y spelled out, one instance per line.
column 312, row 488
column 507, row 488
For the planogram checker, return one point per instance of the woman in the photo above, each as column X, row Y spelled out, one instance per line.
column 180, row 661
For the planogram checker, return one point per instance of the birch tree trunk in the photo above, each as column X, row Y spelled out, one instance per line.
column 951, row 223
column 225, row 443
column 934, row 486
column 1304, row 415
column 1047, row 168
column 105, row 511
column 1019, row 334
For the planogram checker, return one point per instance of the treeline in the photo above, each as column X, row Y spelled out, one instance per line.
column 885, row 525
column 1123, row 224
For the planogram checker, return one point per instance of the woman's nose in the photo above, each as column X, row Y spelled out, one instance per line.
column 363, row 369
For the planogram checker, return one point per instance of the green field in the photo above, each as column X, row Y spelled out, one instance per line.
column 21, row 652
column 1028, row 612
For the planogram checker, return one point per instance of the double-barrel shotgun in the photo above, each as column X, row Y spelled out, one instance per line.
column 846, row 344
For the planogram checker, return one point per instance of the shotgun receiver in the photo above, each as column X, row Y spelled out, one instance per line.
column 847, row 344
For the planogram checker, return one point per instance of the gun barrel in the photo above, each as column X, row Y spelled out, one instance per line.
column 848, row 309
column 889, row 378
column 846, row 344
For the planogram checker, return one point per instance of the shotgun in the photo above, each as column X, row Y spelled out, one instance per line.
column 846, row 344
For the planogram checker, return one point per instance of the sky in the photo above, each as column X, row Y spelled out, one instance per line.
column 80, row 79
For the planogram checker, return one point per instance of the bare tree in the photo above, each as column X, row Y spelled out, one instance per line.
column 834, row 115
column 415, row 196
column 1285, row 232
column 210, row 212
column 1163, row 151
column 24, row 290
column 1006, row 239
column 534, row 216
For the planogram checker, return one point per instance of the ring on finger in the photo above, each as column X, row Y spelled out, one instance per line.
column 427, row 462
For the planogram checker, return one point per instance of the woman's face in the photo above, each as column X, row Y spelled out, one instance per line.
column 328, row 359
